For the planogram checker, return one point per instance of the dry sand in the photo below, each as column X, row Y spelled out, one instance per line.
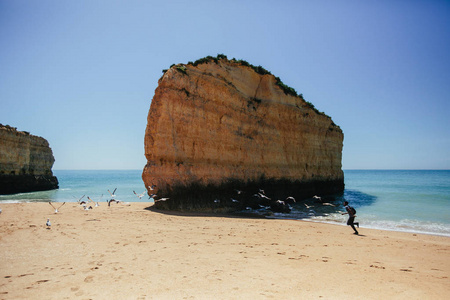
column 131, row 252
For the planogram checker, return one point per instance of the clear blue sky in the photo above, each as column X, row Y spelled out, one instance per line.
column 82, row 73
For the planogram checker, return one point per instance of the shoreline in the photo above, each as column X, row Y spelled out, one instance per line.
column 134, row 252
column 253, row 215
column 379, row 228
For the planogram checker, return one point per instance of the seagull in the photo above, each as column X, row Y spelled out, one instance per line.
column 96, row 203
column 311, row 211
column 152, row 187
column 263, row 196
column 118, row 202
column 329, row 204
column 291, row 199
column 162, row 199
column 48, row 224
column 140, row 195
column 317, row 198
column 238, row 192
column 56, row 209
column 216, row 201
column 79, row 199
column 0, row 210
column 234, row 200
column 113, row 195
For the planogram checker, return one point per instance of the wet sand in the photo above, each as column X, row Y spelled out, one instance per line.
column 133, row 252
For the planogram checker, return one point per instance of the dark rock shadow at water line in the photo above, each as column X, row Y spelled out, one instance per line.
column 302, row 209
column 357, row 198
column 312, row 207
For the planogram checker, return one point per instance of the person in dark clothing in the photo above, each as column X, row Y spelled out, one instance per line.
column 351, row 216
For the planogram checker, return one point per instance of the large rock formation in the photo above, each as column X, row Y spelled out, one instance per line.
column 217, row 125
column 25, row 162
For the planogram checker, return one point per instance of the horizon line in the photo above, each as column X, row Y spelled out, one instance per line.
column 350, row 169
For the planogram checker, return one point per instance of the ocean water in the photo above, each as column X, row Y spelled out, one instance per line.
column 73, row 184
column 401, row 200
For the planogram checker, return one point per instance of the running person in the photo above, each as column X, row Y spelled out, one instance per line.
column 351, row 216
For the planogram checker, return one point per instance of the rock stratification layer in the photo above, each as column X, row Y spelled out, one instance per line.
column 221, row 124
column 25, row 162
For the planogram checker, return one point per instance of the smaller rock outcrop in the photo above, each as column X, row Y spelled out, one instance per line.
column 25, row 162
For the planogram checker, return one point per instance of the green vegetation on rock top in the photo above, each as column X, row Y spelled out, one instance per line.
column 258, row 69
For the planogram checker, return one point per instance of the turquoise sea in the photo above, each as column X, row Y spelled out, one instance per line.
column 400, row 200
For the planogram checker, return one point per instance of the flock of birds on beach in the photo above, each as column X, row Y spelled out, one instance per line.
column 90, row 204
column 259, row 201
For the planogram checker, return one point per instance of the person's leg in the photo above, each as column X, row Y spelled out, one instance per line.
column 350, row 222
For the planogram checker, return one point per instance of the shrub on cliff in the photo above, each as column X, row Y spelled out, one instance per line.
column 286, row 89
column 205, row 60
column 258, row 69
column 182, row 69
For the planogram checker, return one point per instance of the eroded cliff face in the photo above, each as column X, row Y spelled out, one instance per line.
column 25, row 162
column 220, row 124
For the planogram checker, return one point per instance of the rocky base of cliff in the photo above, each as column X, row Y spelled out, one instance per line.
column 12, row 184
column 235, row 195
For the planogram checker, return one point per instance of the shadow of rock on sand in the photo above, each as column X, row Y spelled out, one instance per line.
column 204, row 214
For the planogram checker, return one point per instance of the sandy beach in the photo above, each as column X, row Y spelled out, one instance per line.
column 134, row 252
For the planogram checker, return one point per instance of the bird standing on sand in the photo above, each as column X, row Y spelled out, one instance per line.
column 48, row 224
column 56, row 209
